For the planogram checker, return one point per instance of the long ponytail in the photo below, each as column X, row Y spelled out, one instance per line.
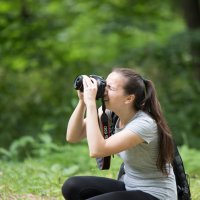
column 152, row 106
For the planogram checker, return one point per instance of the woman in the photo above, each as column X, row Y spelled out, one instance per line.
column 142, row 139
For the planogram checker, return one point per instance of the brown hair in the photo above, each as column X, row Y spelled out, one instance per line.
column 147, row 101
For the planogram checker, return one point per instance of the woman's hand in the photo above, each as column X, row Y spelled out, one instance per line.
column 80, row 95
column 90, row 90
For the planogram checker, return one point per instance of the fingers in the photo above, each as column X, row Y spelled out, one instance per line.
column 90, row 89
column 86, row 81
column 89, row 82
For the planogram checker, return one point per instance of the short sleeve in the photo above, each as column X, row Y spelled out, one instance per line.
column 144, row 126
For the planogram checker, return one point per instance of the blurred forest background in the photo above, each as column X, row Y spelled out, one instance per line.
column 45, row 44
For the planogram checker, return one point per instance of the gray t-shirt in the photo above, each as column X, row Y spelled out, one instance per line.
column 141, row 172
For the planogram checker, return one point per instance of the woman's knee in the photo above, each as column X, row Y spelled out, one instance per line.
column 71, row 188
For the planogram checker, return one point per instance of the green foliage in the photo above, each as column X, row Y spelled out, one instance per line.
column 19, row 149
column 191, row 160
column 192, row 167
column 27, row 146
column 42, row 177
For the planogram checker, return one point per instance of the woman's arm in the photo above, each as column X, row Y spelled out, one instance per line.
column 76, row 129
column 100, row 147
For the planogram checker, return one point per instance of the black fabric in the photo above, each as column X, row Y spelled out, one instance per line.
column 103, row 163
column 183, row 188
column 99, row 188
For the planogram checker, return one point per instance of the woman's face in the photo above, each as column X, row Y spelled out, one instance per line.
column 114, row 93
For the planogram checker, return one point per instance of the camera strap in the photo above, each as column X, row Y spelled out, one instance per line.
column 104, row 162
column 104, row 121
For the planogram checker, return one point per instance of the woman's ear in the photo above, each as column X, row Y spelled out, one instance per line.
column 130, row 98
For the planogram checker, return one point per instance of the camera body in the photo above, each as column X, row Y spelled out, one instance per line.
column 101, row 84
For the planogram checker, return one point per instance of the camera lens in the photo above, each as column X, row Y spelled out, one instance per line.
column 101, row 84
column 78, row 83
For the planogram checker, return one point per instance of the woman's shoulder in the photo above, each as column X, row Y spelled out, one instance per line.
column 141, row 115
column 143, row 125
column 144, row 119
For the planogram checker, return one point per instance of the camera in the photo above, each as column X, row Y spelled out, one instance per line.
column 101, row 84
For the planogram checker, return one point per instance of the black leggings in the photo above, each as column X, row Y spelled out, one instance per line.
column 100, row 188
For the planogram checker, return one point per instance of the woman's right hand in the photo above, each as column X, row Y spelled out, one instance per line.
column 80, row 95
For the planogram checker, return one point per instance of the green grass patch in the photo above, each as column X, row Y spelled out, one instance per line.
column 42, row 176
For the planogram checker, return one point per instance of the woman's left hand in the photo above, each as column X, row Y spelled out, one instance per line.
column 90, row 90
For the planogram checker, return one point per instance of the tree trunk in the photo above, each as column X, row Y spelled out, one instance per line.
column 24, row 12
column 191, row 11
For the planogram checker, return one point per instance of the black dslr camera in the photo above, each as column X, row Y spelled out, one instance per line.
column 101, row 84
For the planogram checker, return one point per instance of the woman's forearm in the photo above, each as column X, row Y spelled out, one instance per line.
column 76, row 126
column 94, row 135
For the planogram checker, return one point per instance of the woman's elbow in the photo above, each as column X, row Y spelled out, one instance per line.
column 92, row 155
column 95, row 154
column 70, row 139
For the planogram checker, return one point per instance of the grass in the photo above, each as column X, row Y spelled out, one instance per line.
column 41, row 178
